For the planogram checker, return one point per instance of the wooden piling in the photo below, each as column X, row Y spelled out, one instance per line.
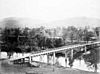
column 65, row 59
column 71, row 54
column 54, row 58
column 30, row 59
column 40, row 58
column 48, row 58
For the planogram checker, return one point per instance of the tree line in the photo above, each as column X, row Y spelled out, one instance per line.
column 37, row 39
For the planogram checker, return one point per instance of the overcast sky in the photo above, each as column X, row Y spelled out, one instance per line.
column 49, row 10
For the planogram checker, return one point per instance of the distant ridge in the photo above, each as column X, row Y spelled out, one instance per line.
column 77, row 22
column 20, row 22
column 27, row 22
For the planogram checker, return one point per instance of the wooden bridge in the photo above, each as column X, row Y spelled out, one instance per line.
column 65, row 49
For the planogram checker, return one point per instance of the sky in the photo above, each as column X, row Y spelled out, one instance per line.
column 49, row 10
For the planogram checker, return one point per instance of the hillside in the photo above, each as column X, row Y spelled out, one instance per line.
column 77, row 22
column 19, row 22
column 22, row 22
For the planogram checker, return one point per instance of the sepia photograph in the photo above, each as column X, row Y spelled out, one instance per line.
column 49, row 36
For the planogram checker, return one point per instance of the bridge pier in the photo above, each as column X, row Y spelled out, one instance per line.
column 54, row 56
column 41, row 58
column 71, row 54
column 66, row 58
column 48, row 58
column 30, row 59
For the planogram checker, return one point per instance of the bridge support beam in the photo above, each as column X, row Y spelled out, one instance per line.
column 54, row 56
column 65, row 59
column 41, row 59
column 71, row 54
column 30, row 59
column 48, row 58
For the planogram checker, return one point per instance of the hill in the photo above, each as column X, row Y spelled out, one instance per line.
column 27, row 22
column 77, row 22
column 19, row 22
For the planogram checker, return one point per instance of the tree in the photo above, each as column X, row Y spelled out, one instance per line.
column 70, row 33
column 97, row 32
column 23, row 40
column 58, row 42
column 80, row 35
column 37, row 38
column 10, row 40
column 93, row 58
column 87, row 34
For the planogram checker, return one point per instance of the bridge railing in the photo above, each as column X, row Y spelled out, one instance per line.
column 67, row 48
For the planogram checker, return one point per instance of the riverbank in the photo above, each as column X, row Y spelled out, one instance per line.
column 6, row 68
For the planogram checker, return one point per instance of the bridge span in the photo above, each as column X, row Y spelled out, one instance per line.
column 78, row 47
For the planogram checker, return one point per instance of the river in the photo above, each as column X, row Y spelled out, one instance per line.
column 78, row 64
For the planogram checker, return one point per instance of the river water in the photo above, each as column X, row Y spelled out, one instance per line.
column 78, row 64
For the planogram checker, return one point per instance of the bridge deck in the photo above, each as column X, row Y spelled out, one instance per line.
column 67, row 48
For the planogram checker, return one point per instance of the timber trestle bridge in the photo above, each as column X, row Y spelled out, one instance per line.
column 65, row 49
